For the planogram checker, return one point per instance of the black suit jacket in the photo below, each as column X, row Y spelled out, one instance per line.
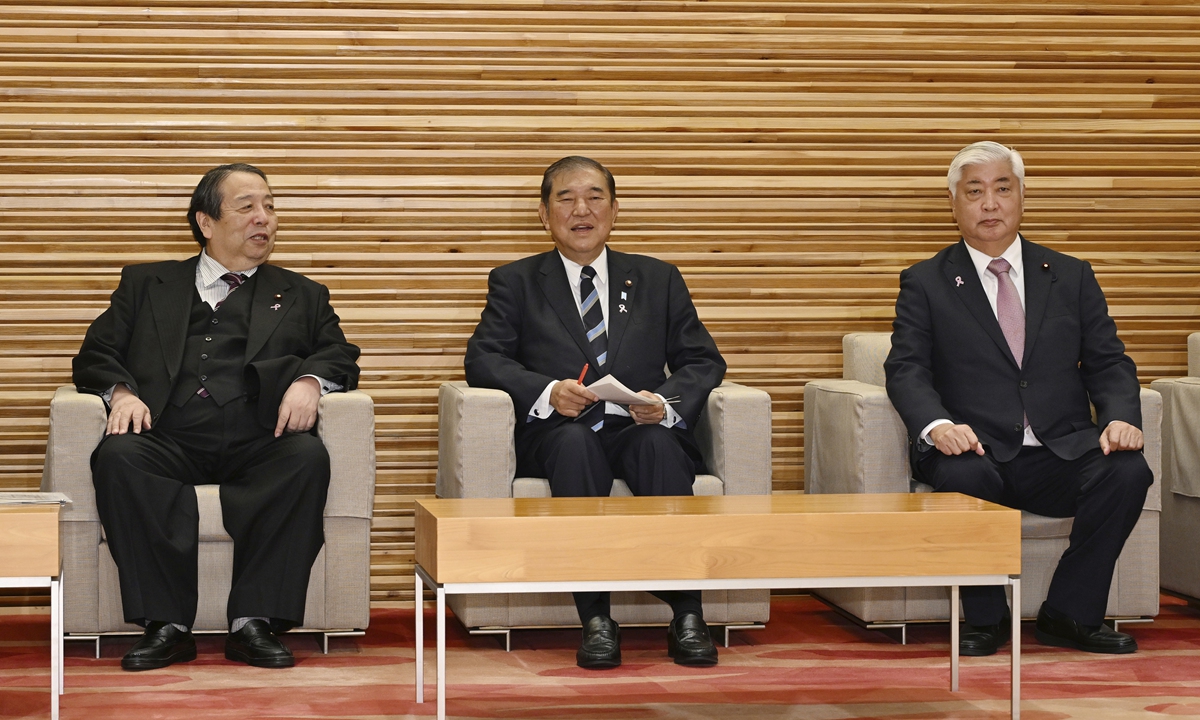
column 949, row 358
column 139, row 339
column 530, row 334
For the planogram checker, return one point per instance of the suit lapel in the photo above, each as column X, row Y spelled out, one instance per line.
column 964, row 281
column 552, row 279
column 171, row 303
column 1037, row 291
column 270, row 303
column 619, row 308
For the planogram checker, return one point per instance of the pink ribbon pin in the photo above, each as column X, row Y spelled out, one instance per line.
column 958, row 281
column 276, row 306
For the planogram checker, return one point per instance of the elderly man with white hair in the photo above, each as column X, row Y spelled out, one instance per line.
column 1000, row 348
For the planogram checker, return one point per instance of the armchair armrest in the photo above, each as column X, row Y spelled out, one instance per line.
column 854, row 441
column 476, row 456
column 346, row 424
column 77, row 423
column 734, row 435
column 1152, row 437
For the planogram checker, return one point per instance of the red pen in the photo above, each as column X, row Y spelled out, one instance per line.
column 583, row 372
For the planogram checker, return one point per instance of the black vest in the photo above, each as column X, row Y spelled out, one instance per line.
column 215, row 352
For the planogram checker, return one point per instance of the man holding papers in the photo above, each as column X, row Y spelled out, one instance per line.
column 562, row 320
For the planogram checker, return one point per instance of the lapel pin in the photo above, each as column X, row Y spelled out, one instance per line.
column 276, row 306
column 278, row 297
column 621, row 308
column 628, row 283
column 624, row 296
column 958, row 281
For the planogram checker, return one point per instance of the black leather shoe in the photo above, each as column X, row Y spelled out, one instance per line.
column 981, row 640
column 689, row 643
column 1054, row 628
column 256, row 645
column 158, row 647
column 601, row 647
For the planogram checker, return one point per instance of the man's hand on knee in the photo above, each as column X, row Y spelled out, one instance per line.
column 955, row 439
column 298, row 410
column 1120, row 436
column 125, row 410
column 648, row 414
column 570, row 398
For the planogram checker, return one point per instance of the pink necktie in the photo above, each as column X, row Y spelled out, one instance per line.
column 1009, row 312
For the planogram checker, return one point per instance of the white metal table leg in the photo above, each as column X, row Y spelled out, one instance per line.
column 1016, row 648
column 420, row 623
column 55, row 647
column 441, row 652
column 953, row 638
column 61, row 633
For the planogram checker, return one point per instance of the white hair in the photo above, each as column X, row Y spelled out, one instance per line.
column 981, row 152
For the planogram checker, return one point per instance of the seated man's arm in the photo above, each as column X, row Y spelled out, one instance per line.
column 331, row 367
column 101, row 362
column 1109, row 375
column 100, row 367
column 909, row 374
column 695, row 363
column 493, row 348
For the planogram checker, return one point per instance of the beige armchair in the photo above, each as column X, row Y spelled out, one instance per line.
column 854, row 442
column 1179, row 564
column 338, row 599
column 476, row 459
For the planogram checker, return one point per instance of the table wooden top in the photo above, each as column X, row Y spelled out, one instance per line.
column 765, row 536
column 707, row 505
column 29, row 540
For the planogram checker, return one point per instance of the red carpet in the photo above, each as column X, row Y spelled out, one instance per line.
column 809, row 663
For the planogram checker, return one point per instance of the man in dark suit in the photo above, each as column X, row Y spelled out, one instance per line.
column 583, row 307
column 999, row 345
column 212, row 368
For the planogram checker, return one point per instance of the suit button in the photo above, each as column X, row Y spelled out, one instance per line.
column 208, row 339
column 1024, row 384
column 1018, row 427
column 203, row 378
column 204, row 356
column 214, row 321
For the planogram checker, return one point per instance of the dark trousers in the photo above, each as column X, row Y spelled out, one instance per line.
column 581, row 463
column 1104, row 493
column 272, row 500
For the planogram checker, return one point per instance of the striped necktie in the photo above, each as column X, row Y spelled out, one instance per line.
column 593, row 323
column 234, row 281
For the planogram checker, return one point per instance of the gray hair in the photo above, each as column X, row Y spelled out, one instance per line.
column 981, row 152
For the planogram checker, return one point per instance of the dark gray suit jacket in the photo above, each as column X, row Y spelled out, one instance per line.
column 139, row 339
column 949, row 358
column 530, row 334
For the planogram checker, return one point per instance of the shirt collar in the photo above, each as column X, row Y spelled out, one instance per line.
column 600, row 265
column 210, row 271
column 1012, row 255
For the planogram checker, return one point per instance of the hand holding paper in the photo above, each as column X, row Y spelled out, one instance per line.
column 610, row 389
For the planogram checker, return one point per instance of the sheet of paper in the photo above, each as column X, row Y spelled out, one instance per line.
column 33, row 498
column 610, row 389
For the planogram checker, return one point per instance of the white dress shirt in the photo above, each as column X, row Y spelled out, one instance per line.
column 542, row 408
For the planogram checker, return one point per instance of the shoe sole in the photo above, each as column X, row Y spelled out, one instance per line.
column 976, row 653
column 697, row 661
column 137, row 665
column 281, row 662
column 599, row 664
column 1056, row 641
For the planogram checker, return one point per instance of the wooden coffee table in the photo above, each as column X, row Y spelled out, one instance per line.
column 466, row 546
column 29, row 557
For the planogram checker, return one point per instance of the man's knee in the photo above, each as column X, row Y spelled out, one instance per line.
column 115, row 456
column 1130, row 471
column 308, row 454
column 968, row 473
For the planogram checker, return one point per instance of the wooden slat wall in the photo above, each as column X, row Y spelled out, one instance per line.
column 788, row 156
